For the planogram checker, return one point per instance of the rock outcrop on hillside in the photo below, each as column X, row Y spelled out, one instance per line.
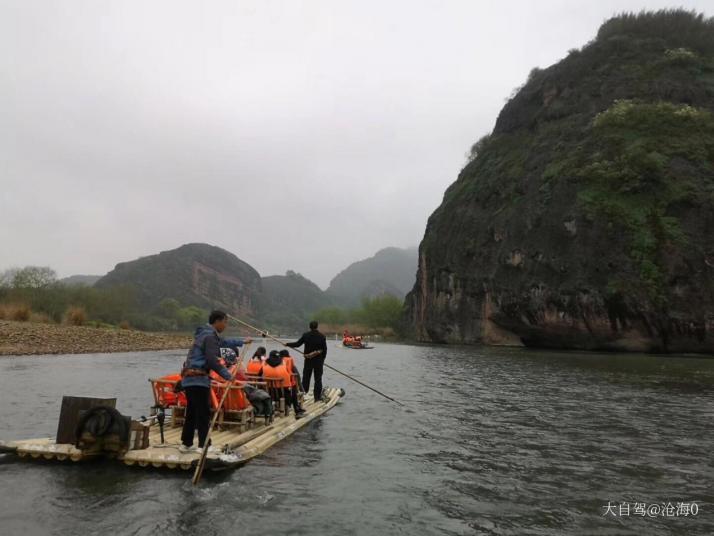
column 585, row 219
column 194, row 274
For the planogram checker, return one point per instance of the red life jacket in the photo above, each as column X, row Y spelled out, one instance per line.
column 254, row 368
column 235, row 401
column 277, row 373
column 290, row 365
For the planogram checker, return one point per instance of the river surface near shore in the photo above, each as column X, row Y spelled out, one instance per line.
column 492, row 441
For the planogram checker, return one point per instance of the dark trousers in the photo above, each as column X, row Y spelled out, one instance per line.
column 291, row 397
column 313, row 364
column 198, row 415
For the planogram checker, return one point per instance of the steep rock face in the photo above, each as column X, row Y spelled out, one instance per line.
column 585, row 220
column 194, row 274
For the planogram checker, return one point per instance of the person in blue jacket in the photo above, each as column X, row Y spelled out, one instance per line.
column 201, row 360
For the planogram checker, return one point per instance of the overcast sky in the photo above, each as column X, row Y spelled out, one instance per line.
column 297, row 135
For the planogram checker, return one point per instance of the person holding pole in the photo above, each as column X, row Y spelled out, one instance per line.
column 203, row 357
column 315, row 353
column 351, row 378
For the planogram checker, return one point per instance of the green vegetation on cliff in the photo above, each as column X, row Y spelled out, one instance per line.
column 583, row 220
column 648, row 158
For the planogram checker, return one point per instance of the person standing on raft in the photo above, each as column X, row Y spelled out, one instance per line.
column 315, row 354
column 203, row 357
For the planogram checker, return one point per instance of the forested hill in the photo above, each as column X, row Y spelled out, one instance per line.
column 389, row 271
column 290, row 300
column 584, row 220
column 193, row 274
column 176, row 288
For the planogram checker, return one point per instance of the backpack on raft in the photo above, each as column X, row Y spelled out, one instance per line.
column 260, row 400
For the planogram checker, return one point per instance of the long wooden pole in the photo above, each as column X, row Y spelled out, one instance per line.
column 265, row 333
column 202, row 460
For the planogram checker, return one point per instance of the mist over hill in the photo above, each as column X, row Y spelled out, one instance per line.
column 390, row 271
column 80, row 279
column 290, row 300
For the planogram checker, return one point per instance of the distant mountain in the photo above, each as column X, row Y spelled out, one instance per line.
column 79, row 280
column 209, row 277
column 390, row 271
column 289, row 300
column 194, row 274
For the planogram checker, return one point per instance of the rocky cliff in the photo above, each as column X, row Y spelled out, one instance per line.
column 585, row 219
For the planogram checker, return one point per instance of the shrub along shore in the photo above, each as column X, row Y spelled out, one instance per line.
column 35, row 338
column 41, row 315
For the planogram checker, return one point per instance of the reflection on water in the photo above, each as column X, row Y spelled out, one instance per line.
column 491, row 441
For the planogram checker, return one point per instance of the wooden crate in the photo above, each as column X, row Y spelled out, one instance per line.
column 138, row 436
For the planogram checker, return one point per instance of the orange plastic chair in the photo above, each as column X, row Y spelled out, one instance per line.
column 164, row 394
column 236, row 399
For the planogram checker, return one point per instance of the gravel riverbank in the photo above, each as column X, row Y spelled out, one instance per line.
column 28, row 338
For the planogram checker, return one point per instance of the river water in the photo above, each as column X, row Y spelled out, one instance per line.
column 492, row 441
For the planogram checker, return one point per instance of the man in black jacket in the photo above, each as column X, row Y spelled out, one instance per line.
column 315, row 354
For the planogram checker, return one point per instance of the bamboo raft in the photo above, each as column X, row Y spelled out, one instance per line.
column 231, row 447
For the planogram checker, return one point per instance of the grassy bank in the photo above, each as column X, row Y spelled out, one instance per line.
column 27, row 338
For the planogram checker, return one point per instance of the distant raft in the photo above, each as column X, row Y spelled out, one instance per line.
column 237, row 438
column 354, row 342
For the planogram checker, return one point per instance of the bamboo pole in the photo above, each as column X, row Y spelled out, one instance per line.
column 202, row 460
column 266, row 334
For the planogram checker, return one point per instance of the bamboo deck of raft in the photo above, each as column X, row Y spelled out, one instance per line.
column 230, row 448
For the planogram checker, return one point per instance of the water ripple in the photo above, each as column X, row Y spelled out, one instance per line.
column 492, row 441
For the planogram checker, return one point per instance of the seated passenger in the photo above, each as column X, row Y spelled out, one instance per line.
column 295, row 380
column 255, row 365
column 227, row 359
column 276, row 369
